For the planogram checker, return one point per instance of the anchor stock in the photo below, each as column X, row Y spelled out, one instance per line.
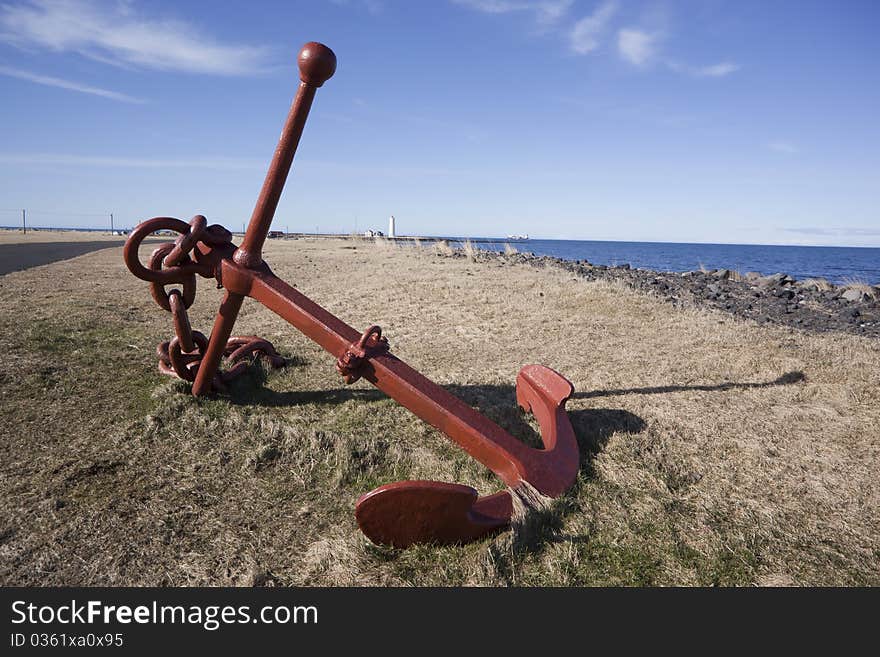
column 401, row 513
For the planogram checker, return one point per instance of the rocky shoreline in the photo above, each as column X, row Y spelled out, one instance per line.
column 809, row 304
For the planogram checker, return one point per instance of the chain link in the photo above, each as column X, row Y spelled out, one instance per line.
column 182, row 355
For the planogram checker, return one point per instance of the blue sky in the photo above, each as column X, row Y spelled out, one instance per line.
column 703, row 121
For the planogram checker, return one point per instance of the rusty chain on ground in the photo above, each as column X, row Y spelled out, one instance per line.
column 182, row 355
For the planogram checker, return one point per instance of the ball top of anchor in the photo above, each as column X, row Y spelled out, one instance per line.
column 317, row 63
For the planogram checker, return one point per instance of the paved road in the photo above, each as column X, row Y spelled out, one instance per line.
column 15, row 257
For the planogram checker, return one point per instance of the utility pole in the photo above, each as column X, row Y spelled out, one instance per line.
column 111, row 223
column 24, row 221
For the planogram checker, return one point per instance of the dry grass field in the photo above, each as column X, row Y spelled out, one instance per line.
column 714, row 451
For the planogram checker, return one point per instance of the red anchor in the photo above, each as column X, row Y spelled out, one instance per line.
column 398, row 514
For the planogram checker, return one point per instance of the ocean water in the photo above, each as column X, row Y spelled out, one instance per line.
column 837, row 264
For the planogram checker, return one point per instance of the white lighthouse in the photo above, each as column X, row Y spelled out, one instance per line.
column 391, row 226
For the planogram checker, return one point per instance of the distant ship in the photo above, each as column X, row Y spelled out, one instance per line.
column 517, row 237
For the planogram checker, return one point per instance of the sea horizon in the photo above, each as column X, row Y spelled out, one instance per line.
column 837, row 264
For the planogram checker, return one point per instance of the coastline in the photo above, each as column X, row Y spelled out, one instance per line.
column 810, row 304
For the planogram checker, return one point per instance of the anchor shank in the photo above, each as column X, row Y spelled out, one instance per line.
column 317, row 63
column 250, row 253
column 479, row 436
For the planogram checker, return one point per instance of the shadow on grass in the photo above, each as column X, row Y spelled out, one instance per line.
column 785, row 379
column 592, row 427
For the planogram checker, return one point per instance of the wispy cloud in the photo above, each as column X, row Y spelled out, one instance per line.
column 716, row 70
column 372, row 6
column 783, row 147
column 546, row 12
column 637, row 46
column 119, row 34
column 585, row 34
column 222, row 163
column 719, row 70
column 60, row 159
column 835, row 232
column 70, row 85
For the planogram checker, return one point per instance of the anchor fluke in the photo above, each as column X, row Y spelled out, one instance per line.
column 409, row 512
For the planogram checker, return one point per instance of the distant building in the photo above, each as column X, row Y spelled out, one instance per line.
column 391, row 227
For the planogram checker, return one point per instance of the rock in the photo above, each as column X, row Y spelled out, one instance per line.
column 775, row 299
column 772, row 280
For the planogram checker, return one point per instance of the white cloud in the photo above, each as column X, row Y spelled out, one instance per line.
column 547, row 12
column 640, row 46
column 70, row 85
column 636, row 46
column 586, row 32
column 783, row 147
column 716, row 70
column 119, row 34
column 372, row 6
column 222, row 163
column 60, row 159
column 719, row 70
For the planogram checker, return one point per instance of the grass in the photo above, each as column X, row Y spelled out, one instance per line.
column 442, row 248
column 469, row 250
column 713, row 451
column 862, row 286
column 820, row 284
